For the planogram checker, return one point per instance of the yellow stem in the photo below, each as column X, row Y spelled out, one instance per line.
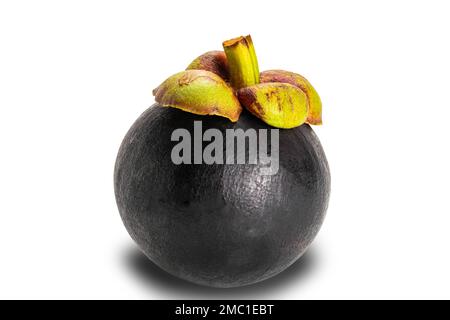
column 242, row 62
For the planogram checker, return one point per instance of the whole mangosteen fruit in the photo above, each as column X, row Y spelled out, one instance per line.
column 225, row 223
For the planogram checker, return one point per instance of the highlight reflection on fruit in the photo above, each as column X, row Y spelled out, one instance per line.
column 225, row 224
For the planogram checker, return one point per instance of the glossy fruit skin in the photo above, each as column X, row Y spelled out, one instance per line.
column 219, row 225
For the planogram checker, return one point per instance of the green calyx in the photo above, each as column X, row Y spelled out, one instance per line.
column 214, row 61
column 201, row 92
column 314, row 102
column 221, row 82
column 280, row 105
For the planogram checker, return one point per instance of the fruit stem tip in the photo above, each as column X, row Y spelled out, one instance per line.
column 242, row 61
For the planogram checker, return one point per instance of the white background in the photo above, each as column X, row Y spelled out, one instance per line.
column 74, row 75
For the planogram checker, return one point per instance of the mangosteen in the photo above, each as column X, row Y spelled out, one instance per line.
column 218, row 194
